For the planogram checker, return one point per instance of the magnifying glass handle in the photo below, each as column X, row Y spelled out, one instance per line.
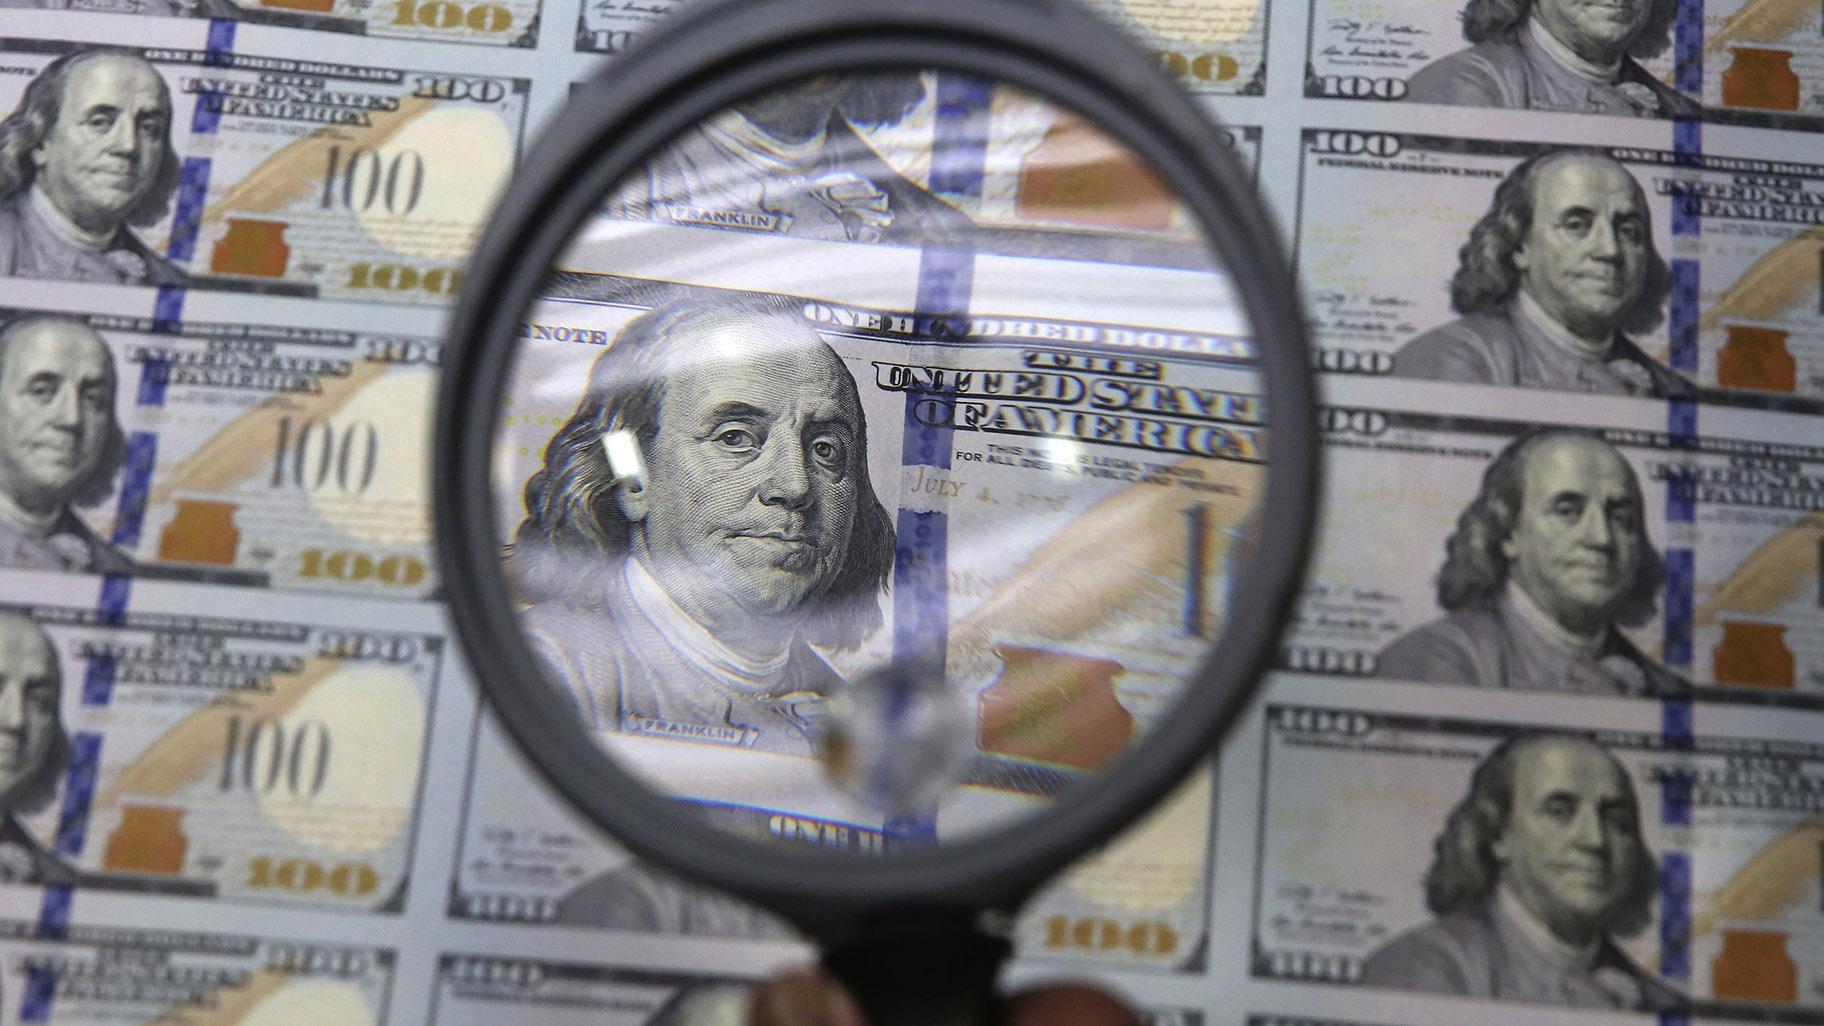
column 921, row 974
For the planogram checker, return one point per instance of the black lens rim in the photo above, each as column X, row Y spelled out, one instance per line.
column 708, row 57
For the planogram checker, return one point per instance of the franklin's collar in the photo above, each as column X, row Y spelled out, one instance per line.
column 1565, row 56
column 45, row 209
column 1555, row 331
column 694, row 642
column 1548, row 627
column 25, row 521
column 1515, row 914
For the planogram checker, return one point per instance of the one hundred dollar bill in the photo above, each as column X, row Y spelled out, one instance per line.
column 476, row 990
column 121, row 976
column 252, row 454
column 1209, row 46
column 1375, row 54
column 1008, row 461
column 1710, row 288
column 488, row 22
column 525, row 856
column 1623, row 556
column 256, row 172
column 1756, row 62
column 922, row 159
column 1594, row 865
column 207, row 754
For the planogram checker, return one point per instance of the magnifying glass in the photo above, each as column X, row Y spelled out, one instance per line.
column 877, row 453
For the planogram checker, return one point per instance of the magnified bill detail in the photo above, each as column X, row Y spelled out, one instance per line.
column 877, row 464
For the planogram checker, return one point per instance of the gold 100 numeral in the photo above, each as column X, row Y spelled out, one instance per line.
column 349, row 565
column 1151, row 938
column 263, row 757
column 445, row 14
column 304, row 876
column 438, row 281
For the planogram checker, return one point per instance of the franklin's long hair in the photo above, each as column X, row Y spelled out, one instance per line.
column 1463, row 866
column 1486, row 277
column 25, row 129
column 37, row 792
column 574, row 532
column 98, row 483
column 1475, row 568
column 1484, row 20
column 882, row 99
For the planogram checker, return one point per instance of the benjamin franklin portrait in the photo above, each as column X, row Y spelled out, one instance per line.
column 85, row 158
column 1538, row 869
column 702, row 520
column 1548, row 561
column 34, row 748
column 1554, row 276
column 61, row 445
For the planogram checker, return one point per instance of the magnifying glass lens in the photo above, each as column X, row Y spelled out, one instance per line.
column 876, row 461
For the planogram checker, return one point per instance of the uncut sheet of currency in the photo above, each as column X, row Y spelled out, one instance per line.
column 236, row 758
column 1703, row 578
column 184, row 978
column 236, row 787
column 274, row 173
column 262, row 455
column 1741, row 319
column 1691, row 857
